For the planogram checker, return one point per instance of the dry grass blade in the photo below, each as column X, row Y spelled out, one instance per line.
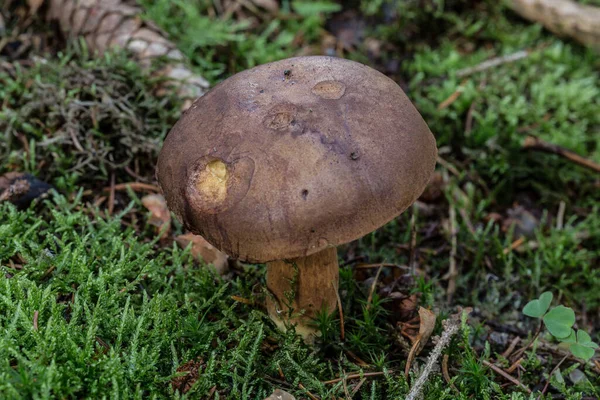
column 340, row 310
column 373, row 286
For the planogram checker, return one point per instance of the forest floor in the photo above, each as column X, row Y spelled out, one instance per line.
column 97, row 301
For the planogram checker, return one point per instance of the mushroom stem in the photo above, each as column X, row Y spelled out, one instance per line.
column 302, row 287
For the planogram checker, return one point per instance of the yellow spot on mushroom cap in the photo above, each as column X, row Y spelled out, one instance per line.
column 211, row 182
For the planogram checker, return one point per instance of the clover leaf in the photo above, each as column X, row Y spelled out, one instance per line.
column 538, row 307
column 584, row 347
column 559, row 321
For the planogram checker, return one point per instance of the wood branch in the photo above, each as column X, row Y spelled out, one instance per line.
column 563, row 17
column 533, row 143
column 118, row 23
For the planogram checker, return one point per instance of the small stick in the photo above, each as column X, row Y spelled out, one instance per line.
column 520, row 352
column 448, row 166
column 451, row 327
column 359, row 360
column 345, row 385
column 550, row 375
column 36, row 315
column 212, row 391
column 340, row 310
column 515, row 365
column 453, row 97
column 514, row 245
column 560, row 217
column 309, row 394
column 446, row 374
column 533, row 143
column 135, row 186
column 111, row 196
column 373, row 285
column 511, row 347
column 48, row 272
column 353, row 376
column 358, row 386
column 506, row 376
column 492, row 62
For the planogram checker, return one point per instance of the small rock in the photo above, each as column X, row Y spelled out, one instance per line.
column 21, row 189
column 279, row 394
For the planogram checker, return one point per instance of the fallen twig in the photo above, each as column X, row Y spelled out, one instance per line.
column 511, row 347
column 356, row 358
column 309, row 394
column 357, row 387
column 451, row 327
column 446, row 374
column 491, row 63
column 501, row 372
column 563, row 17
column 453, row 97
column 111, row 196
column 514, row 245
column 354, row 376
column 533, row 143
column 522, row 350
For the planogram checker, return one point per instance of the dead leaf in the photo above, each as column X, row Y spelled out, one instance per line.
column 185, row 382
column 161, row 217
column 279, row 394
column 204, row 251
column 426, row 326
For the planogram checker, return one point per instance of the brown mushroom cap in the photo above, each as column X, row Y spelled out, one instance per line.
column 288, row 158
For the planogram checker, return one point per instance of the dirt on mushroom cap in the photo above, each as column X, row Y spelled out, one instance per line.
column 312, row 152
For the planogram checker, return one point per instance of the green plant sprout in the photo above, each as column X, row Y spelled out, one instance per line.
column 559, row 321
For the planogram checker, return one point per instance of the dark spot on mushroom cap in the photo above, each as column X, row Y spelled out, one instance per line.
column 305, row 194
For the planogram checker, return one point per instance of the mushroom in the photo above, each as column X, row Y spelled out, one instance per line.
column 281, row 163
